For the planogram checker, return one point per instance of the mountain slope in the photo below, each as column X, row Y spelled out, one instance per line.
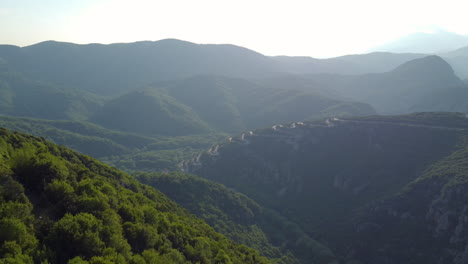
column 424, row 84
column 215, row 99
column 232, row 104
column 81, row 136
column 374, row 62
column 240, row 218
column 114, row 68
column 58, row 206
column 117, row 68
column 360, row 186
column 196, row 104
column 412, row 87
column 21, row 96
column 459, row 61
column 427, row 216
column 126, row 151
column 149, row 112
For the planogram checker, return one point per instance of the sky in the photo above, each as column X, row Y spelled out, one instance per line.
column 317, row 28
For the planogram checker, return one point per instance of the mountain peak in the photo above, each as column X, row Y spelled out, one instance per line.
column 430, row 65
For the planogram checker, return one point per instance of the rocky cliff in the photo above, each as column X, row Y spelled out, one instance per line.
column 377, row 190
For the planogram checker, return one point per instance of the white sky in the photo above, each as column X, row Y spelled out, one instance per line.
column 318, row 28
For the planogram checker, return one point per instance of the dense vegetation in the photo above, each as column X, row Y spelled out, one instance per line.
column 58, row 206
column 150, row 112
column 240, row 218
column 21, row 96
column 125, row 150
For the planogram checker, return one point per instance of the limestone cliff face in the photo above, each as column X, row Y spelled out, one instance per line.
column 428, row 219
column 449, row 213
column 376, row 190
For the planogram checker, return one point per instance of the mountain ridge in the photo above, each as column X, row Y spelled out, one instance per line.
column 152, row 61
column 347, row 181
column 419, row 85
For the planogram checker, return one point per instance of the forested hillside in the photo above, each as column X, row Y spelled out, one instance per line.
column 126, row 151
column 150, row 112
column 240, row 218
column 58, row 206
column 204, row 104
column 21, row 96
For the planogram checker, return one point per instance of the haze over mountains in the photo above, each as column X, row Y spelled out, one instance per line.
column 438, row 41
column 450, row 46
column 198, row 104
column 423, row 84
column 296, row 163
column 109, row 69
column 119, row 68
column 458, row 59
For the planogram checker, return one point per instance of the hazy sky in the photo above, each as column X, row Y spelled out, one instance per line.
column 321, row 28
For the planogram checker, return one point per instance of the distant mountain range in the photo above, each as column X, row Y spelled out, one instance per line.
column 450, row 46
column 115, row 68
column 438, row 41
column 424, row 84
column 459, row 61
column 118, row 69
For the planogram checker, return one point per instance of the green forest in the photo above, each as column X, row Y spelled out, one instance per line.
column 58, row 206
column 240, row 218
